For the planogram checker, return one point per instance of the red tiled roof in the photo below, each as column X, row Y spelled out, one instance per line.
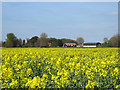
column 70, row 43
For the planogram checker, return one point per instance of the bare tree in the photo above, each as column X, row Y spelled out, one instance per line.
column 80, row 40
column 115, row 40
column 43, row 35
column 105, row 40
column 43, row 40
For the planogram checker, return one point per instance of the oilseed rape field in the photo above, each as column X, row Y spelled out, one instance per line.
column 60, row 68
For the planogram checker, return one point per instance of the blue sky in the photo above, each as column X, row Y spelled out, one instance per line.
column 91, row 20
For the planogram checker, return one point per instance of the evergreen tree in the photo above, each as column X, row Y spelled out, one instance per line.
column 11, row 40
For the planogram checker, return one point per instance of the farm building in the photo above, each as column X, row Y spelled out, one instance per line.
column 69, row 45
column 91, row 44
column 49, row 44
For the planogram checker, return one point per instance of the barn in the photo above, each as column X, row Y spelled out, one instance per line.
column 91, row 44
column 69, row 45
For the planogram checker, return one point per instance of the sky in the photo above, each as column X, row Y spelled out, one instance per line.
column 91, row 20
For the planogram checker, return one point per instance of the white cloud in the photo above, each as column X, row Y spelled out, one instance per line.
column 107, row 14
column 112, row 14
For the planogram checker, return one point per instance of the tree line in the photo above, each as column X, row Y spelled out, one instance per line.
column 35, row 41
column 44, row 41
column 114, row 41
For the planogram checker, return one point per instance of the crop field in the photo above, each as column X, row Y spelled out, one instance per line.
column 60, row 68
